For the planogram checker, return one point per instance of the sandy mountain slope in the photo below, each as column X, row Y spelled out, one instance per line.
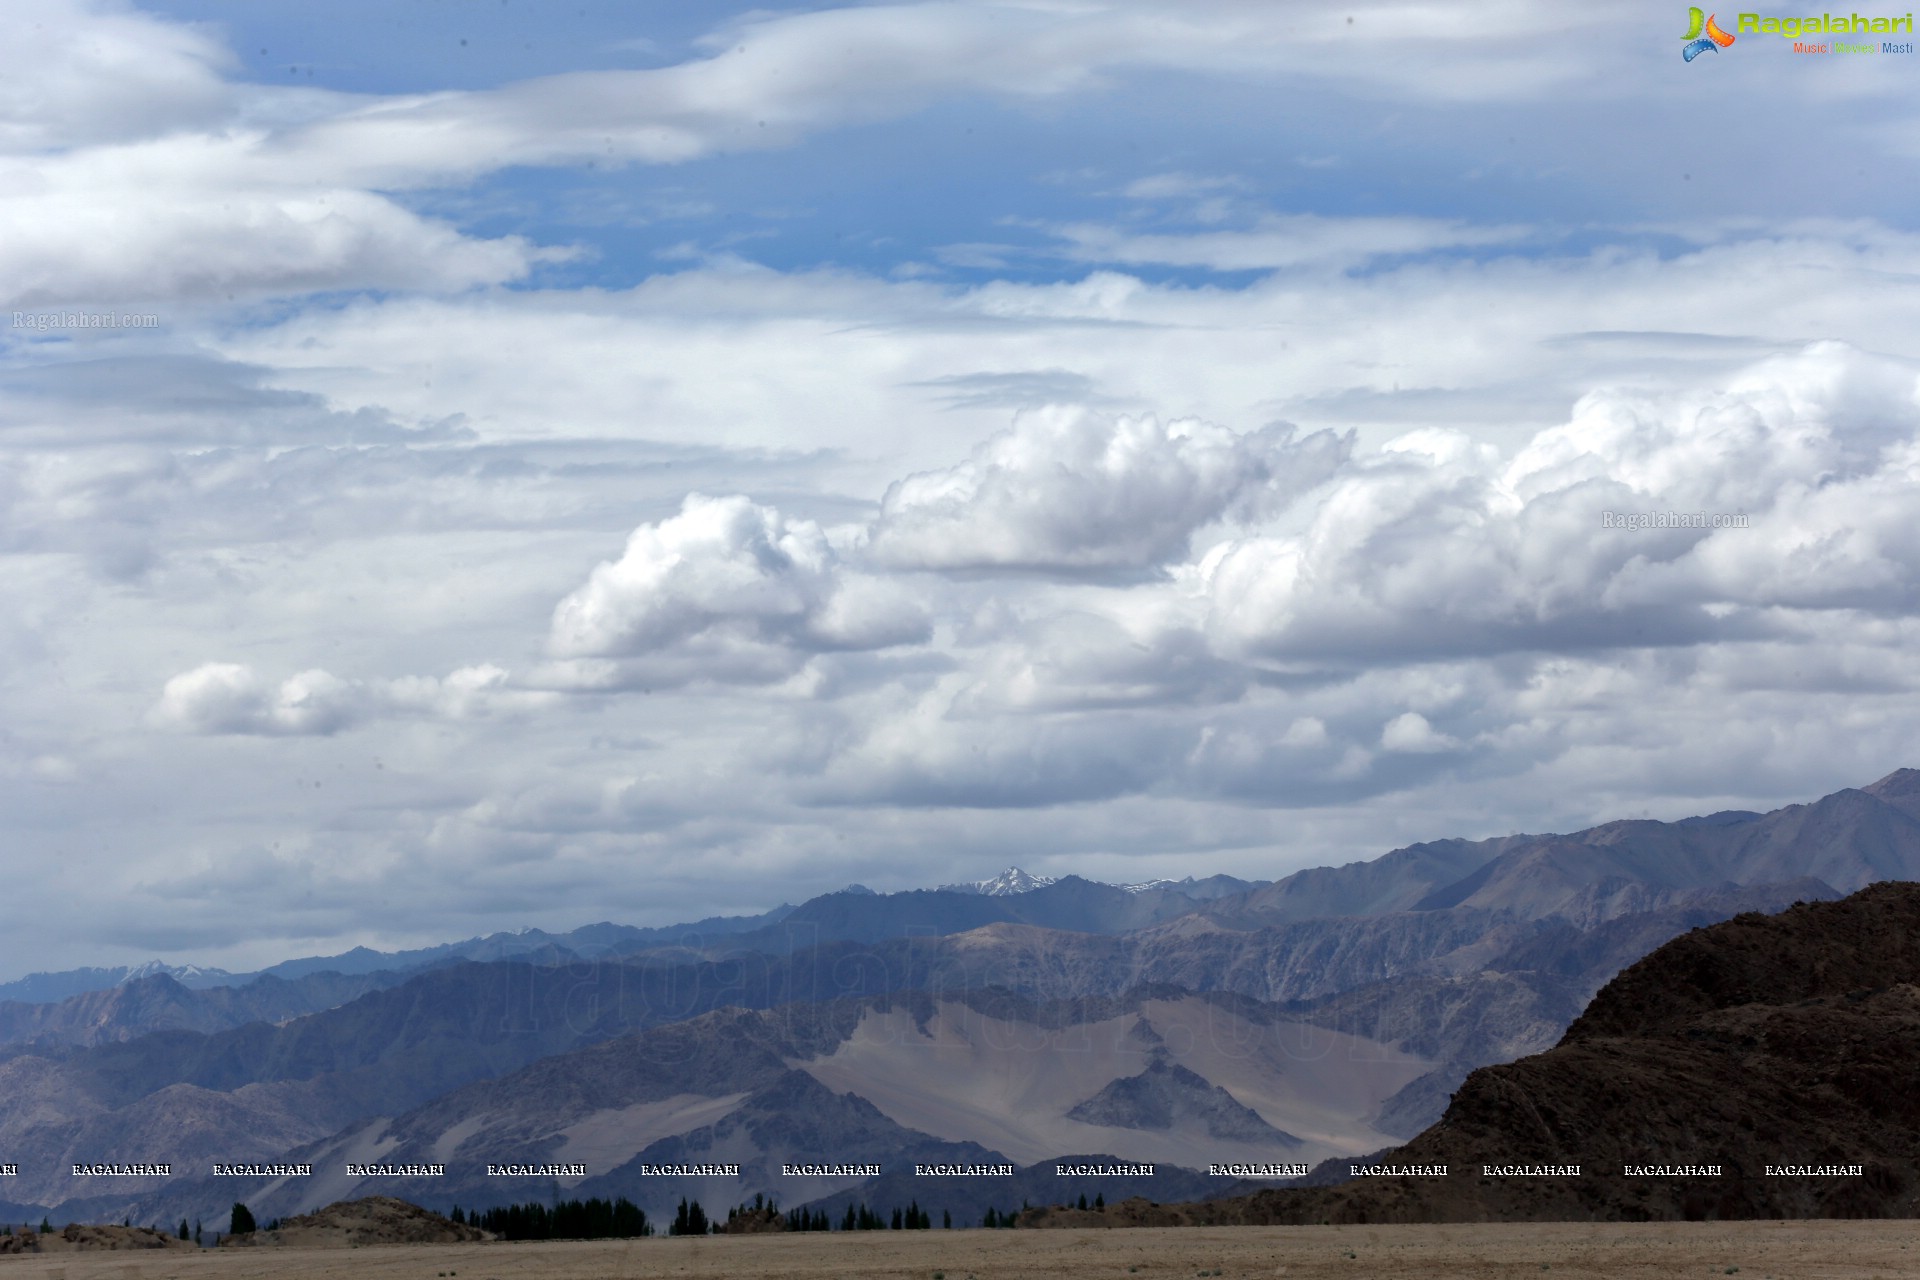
column 985, row 1077
column 995, row 1073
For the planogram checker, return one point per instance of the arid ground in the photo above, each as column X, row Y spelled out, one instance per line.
column 1657, row 1251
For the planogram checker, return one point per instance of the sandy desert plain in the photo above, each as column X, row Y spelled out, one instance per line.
column 1588, row 1251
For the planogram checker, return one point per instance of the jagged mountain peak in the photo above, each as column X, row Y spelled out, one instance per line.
column 1901, row 782
column 1011, row 881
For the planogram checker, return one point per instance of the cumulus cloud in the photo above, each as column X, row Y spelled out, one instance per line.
column 1065, row 489
column 230, row 697
column 1411, row 731
column 1642, row 521
column 726, row 590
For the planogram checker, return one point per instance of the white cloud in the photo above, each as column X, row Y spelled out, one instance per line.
column 187, row 219
column 1066, row 489
column 1499, row 349
column 1410, row 731
column 1437, row 545
column 229, row 697
column 232, row 698
column 1180, row 186
column 770, row 78
column 140, row 175
column 730, row 591
column 135, row 173
column 90, row 71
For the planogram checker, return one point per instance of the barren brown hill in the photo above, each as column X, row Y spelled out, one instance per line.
column 352, row 1223
column 76, row 1238
column 1760, row 1044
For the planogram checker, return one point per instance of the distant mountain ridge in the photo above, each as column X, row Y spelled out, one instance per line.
column 1016, row 880
column 157, row 1001
column 1846, row 840
column 589, row 942
column 1447, row 956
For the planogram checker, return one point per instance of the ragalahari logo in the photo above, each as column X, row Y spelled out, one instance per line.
column 1703, row 34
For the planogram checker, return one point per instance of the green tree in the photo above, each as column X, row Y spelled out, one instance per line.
column 242, row 1220
column 946, row 1220
column 185, row 1233
column 689, row 1220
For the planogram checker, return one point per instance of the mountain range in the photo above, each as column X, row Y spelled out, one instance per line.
column 1180, row 1024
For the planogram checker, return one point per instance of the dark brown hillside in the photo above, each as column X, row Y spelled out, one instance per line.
column 1812, row 950
column 1791, row 1039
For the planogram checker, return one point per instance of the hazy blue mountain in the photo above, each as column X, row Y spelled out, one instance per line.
column 1844, row 841
column 46, row 988
column 1069, row 903
column 159, row 1002
column 587, row 943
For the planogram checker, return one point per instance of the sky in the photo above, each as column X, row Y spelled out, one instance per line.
column 474, row 466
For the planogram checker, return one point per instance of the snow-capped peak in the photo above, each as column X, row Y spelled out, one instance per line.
column 1145, row 885
column 153, row 968
column 1012, row 880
